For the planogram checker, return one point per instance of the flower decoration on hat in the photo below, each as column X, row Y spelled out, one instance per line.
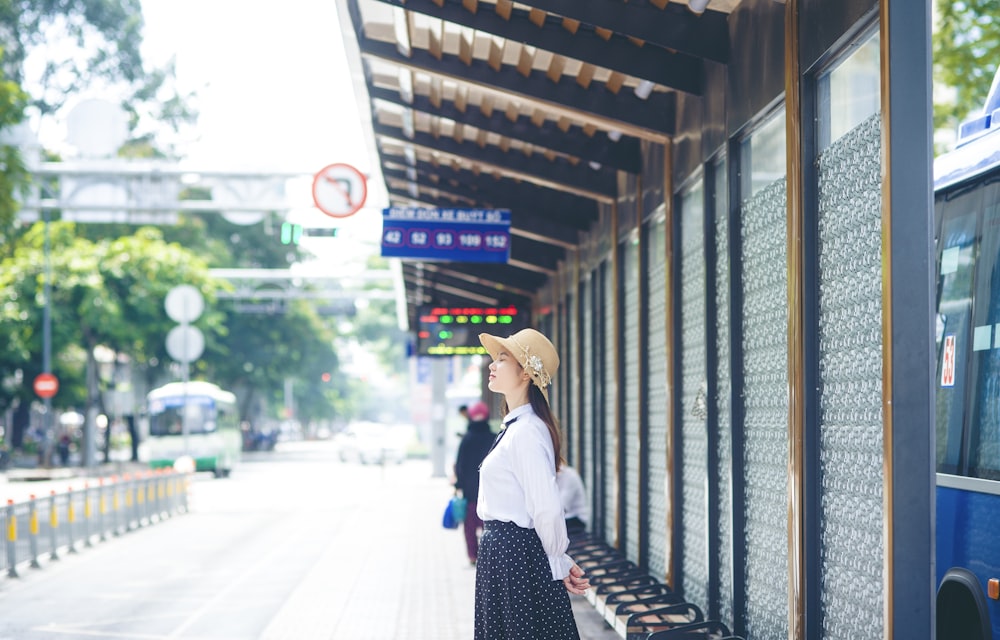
column 534, row 363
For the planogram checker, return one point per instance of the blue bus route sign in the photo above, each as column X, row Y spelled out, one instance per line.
column 452, row 235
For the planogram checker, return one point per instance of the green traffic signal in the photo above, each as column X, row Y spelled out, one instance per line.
column 290, row 233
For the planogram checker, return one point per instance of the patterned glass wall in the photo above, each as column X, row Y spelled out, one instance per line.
column 722, row 400
column 572, row 376
column 850, row 345
column 567, row 421
column 587, row 388
column 656, row 390
column 630, row 380
column 612, row 492
column 765, row 388
column 694, row 434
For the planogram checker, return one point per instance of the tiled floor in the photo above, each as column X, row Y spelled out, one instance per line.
column 401, row 576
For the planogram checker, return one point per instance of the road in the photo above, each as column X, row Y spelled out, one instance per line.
column 296, row 544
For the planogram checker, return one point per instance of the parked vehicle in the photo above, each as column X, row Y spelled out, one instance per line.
column 967, row 215
column 373, row 443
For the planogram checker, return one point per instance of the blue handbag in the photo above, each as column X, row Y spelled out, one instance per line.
column 455, row 508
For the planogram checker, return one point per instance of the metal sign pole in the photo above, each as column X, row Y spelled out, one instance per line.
column 439, row 374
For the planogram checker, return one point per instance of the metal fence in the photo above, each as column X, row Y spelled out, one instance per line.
column 48, row 526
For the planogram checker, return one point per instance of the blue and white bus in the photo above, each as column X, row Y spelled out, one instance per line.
column 210, row 417
column 967, row 217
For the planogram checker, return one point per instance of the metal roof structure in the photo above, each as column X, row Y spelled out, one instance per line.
column 535, row 107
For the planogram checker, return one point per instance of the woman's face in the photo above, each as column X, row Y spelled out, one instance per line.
column 506, row 374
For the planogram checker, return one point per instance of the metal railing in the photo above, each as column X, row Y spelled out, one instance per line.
column 48, row 526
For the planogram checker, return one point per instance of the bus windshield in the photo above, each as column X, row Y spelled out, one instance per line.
column 167, row 418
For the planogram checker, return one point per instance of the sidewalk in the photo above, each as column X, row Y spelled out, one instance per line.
column 395, row 572
column 386, row 568
column 20, row 484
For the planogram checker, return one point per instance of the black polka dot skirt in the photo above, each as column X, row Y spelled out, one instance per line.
column 516, row 597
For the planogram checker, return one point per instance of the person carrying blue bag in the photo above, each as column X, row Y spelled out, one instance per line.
column 472, row 450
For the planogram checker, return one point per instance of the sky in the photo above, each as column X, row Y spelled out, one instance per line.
column 274, row 91
column 274, row 86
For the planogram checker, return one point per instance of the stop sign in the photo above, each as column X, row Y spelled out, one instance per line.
column 46, row 385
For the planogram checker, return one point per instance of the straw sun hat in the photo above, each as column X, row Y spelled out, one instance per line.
column 533, row 351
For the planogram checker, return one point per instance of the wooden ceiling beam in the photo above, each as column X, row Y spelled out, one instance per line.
column 574, row 141
column 673, row 27
column 680, row 71
column 652, row 118
column 600, row 184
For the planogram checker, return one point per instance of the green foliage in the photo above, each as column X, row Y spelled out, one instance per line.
column 13, row 175
column 966, row 52
column 85, row 42
column 261, row 351
column 108, row 292
column 92, row 45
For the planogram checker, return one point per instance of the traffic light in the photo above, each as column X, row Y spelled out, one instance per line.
column 290, row 233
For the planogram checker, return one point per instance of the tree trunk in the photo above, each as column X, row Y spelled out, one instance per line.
column 21, row 421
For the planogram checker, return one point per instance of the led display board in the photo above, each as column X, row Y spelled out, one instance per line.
column 454, row 331
column 447, row 235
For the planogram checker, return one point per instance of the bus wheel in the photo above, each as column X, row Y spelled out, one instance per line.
column 961, row 608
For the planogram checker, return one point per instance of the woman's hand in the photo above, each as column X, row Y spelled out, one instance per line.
column 575, row 582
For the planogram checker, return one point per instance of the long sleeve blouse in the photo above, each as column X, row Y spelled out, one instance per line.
column 517, row 483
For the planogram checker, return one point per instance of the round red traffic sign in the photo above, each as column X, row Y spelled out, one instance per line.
column 339, row 190
column 46, row 385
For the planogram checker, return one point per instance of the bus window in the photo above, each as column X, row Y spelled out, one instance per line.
column 956, row 260
column 984, row 380
column 199, row 418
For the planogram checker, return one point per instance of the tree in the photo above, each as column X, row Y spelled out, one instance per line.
column 53, row 50
column 261, row 351
column 966, row 51
column 13, row 174
column 107, row 293
column 93, row 44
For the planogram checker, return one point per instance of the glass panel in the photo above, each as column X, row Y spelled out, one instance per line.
column 984, row 432
column 723, row 390
column 764, row 312
column 762, row 156
column 200, row 418
column 956, row 268
column 694, row 434
column 849, row 92
column 656, row 389
column 629, row 256
column 609, row 422
column 849, row 318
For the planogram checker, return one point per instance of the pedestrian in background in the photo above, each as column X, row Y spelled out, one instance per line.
column 472, row 449
column 574, row 501
column 524, row 573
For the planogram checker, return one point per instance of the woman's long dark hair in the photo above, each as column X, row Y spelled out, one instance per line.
column 541, row 408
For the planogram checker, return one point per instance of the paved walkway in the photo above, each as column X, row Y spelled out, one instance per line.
column 398, row 574
column 390, row 570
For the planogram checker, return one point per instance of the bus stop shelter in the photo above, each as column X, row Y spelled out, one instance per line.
column 721, row 213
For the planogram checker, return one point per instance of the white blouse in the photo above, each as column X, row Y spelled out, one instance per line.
column 517, row 483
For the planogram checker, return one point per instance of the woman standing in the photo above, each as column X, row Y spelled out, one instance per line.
column 524, row 573
column 472, row 449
